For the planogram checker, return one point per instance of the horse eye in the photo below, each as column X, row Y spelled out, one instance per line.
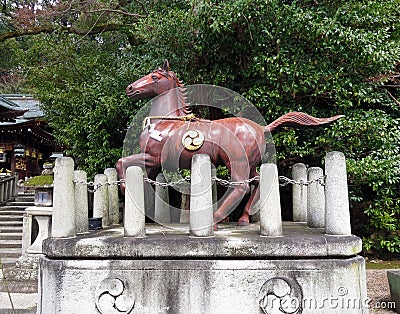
column 154, row 77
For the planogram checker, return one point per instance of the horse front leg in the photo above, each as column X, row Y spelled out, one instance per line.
column 143, row 160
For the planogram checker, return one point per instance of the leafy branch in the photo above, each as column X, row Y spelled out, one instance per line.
column 75, row 17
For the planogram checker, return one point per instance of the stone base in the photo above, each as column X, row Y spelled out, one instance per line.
column 203, row 286
column 394, row 284
column 23, row 277
column 236, row 271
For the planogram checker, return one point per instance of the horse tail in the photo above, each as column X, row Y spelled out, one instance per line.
column 299, row 120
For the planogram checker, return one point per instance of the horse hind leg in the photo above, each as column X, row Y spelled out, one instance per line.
column 236, row 193
column 249, row 208
column 251, row 203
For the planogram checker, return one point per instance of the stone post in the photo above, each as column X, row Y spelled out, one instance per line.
column 134, row 215
column 100, row 199
column 337, row 221
column 299, row 173
column 162, row 212
column 81, row 201
column 10, row 189
column 270, row 205
column 6, row 190
column 13, row 187
column 315, row 199
column 149, row 200
column 214, row 188
column 63, row 220
column 16, row 185
column 26, row 232
column 2, row 187
column 113, row 202
column 201, row 206
column 185, row 214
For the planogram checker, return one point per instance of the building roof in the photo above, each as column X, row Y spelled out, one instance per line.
column 22, row 112
column 25, row 106
column 10, row 110
column 33, row 126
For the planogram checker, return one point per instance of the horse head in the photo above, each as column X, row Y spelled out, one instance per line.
column 153, row 84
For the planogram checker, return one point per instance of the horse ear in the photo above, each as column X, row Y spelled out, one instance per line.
column 166, row 66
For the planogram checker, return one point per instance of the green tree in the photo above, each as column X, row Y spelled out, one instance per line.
column 323, row 58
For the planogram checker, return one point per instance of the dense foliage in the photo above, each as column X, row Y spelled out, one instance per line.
column 324, row 58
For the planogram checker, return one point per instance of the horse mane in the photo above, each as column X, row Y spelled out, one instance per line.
column 184, row 106
column 182, row 97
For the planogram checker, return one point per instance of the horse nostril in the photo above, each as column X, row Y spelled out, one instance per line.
column 129, row 87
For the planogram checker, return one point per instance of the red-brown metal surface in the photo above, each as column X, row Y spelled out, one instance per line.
column 238, row 143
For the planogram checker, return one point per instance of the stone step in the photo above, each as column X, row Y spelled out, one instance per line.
column 25, row 197
column 10, row 252
column 23, row 200
column 11, row 207
column 12, row 217
column 8, row 261
column 22, row 204
column 10, row 223
column 10, row 229
column 12, row 214
column 10, row 243
column 11, row 236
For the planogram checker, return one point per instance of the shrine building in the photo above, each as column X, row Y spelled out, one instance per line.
column 25, row 138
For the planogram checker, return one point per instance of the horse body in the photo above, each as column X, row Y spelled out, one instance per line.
column 219, row 138
column 237, row 143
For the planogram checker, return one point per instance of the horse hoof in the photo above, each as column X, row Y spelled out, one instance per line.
column 215, row 227
column 243, row 223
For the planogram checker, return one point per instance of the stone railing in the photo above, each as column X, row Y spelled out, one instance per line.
column 105, row 205
column 70, row 199
column 319, row 199
column 8, row 188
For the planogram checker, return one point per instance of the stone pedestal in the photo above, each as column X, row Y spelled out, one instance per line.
column 43, row 217
column 23, row 277
column 236, row 271
column 394, row 284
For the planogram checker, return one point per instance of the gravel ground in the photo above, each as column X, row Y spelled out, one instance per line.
column 378, row 291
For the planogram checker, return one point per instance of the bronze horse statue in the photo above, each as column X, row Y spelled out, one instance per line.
column 171, row 134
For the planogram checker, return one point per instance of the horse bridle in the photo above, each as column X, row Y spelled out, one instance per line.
column 147, row 120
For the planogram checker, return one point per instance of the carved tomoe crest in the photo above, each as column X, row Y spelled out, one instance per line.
column 193, row 139
column 281, row 295
column 113, row 295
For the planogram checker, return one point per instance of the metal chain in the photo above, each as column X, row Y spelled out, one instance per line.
column 94, row 187
column 234, row 183
column 286, row 181
column 320, row 180
column 166, row 184
column 187, row 179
